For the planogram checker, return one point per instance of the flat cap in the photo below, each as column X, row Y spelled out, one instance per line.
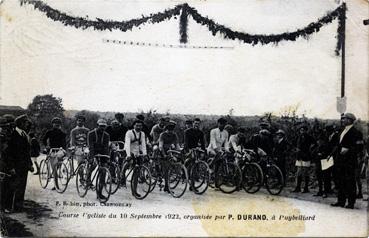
column 102, row 122
column 56, row 120
column 280, row 132
column 21, row 118
column 9, row 118
column 349, row 116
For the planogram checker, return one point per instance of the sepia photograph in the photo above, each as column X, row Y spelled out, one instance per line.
column 175, row 118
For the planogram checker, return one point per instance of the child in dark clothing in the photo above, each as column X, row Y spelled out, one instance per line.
column 35, row 151
column 320, row 152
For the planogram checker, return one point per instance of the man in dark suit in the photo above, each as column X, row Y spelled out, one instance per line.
column 349, row 145
column 280, row 151
column 19, row 163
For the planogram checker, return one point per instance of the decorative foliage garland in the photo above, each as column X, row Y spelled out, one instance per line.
column 99, row 24
column 184, row 10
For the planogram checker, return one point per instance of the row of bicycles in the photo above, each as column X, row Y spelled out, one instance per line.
column 174, row 173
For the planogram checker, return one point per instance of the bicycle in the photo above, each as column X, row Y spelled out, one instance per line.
column 252, row 173
column 273, row 177
column 140, row 177
column 102, row 178
column 82, row 151
column 59, row 172
column 225, row 174
column 171, row 169
column 116, row 163
column 199, row 171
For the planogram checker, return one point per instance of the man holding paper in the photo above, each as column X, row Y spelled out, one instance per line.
column 350, row 143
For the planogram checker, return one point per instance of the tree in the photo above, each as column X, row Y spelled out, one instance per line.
column 42, row 109
column 46, row 106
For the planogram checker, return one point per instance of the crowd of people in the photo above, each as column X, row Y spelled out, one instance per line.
column 344, row 145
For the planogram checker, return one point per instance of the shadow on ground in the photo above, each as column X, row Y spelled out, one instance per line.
column 34, row 211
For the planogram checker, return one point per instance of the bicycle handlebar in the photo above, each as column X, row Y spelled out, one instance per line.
column 174, row 152
column 197, row 149
column 99, row 156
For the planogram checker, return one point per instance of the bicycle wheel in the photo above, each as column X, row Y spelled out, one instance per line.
column 252, row 177
column 200, row 176
column 154, row 173
column 62, row 178
column 228, row 177
column 82, row 179
column 141, row 182
column 115, row 173
column 69, row 165
column 177, row 179
column 44, row 173
column 103, row 184
column 274, row 181
column 125, row 174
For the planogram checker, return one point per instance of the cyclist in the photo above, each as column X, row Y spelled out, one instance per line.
column 78, row 135
column 157, row 130
column 145, row 128
column 98, row 143
column 168, row 140
column 116, row 131
column 135, row 141
column 194, row 137
column 263, row 139
column 218, row 138
column 237, row 141
column 55, row 138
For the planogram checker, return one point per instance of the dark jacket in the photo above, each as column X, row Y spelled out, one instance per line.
column 194, row 138
column 35, row 148
column 281, row 148
column 304, row 143
column 353, row 141
column 118, row 133
column 264, row 142
column 19, row 153
column 56, row 138
column 98, row 142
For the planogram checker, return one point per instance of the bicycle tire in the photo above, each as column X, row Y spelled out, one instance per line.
column 70, row 168
column 141, row 176
column 103, row 184
column 252, row 177
column 61, row 179
column 229, row 177
column 273, row 174
column 44, row 173
column 82, row 180
column 115, row 172
column 125, row 173
column 177, row 179
column 154, row 174
column 200, row 172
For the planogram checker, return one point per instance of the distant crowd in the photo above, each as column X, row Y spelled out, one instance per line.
column 343, row 144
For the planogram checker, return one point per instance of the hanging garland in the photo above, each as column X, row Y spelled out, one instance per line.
column 184, row 10
column 99, row 24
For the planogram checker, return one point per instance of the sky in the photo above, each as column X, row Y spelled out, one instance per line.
column 40, row 56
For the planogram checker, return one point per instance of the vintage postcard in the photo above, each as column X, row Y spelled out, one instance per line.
column 174, row 118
